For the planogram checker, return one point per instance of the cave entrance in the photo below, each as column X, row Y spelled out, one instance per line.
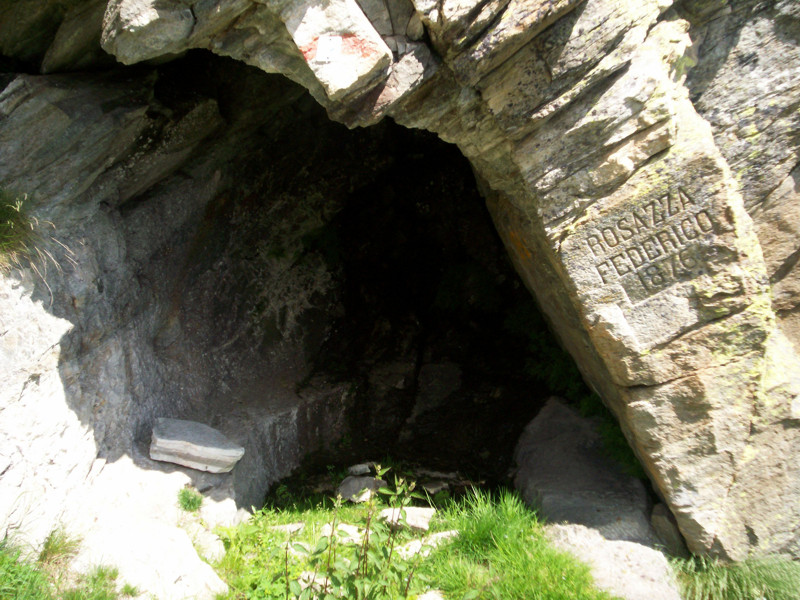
column 352, row 279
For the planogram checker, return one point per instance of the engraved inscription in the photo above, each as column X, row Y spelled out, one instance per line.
column 650, row 247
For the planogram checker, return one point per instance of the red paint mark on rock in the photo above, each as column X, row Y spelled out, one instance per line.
column 354, row 45
column 349, row 44
column 310, row 50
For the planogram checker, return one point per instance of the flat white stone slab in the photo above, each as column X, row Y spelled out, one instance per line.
column 416, row 517
column 194, row 445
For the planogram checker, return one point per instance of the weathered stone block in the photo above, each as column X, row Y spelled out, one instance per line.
column 359, row 489
column 193, row 445
column 624, row 569
column 563, row 473
column 338, row 43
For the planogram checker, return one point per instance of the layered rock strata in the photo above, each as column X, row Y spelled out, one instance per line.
column 621, row 189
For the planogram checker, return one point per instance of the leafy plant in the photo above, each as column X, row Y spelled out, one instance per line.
column 189, row 499
column 768, row 578
column 325, row 560
column 369, row 568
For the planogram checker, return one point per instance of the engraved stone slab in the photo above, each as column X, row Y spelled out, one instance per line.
column 664, row 296
column 193, row 445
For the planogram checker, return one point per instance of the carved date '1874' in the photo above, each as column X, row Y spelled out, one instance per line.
column 655, row 243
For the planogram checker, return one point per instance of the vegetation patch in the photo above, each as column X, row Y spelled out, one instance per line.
column 768, row 578
column 501, row 552
column 189, row 499
column 16, row 231
column 335, row 550
column 58, row 549
column 20, row 578
column 47, row 577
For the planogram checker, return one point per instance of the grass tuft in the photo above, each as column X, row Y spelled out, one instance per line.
column 99, row 584
column 767, row 578
column 129, row 590
column 58, row 548
column 501, row 552
column 16, row 231
column 190, row 499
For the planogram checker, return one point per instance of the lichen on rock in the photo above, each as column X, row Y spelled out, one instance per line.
column 639, row 159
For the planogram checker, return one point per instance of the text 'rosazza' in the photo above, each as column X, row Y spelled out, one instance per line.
column 654, row 244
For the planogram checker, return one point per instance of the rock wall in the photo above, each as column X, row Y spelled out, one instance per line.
column 234, row 257
column 144, row 303
column 638, row 158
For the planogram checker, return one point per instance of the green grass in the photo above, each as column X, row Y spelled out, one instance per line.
column 255, row 563
column 501, row 552
column 190, row 499
column 16, row 231
column 99, row 584
column 768, row 578
column 20, row 579
column 47, row 578
column 58, row 548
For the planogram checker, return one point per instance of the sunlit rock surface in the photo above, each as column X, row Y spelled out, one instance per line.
column 640, row 161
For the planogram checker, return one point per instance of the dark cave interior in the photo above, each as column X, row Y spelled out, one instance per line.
column 443, row 350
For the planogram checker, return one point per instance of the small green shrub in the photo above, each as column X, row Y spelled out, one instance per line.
column 189, row 499
column 261, row 562
column 768, row 578
column 367, row 570
column 615, row 446
column 550, row 364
